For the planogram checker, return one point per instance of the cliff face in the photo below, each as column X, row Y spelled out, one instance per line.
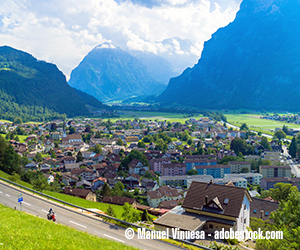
column 252, row 63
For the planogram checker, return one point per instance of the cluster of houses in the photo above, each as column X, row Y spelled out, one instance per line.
column 214, row 197
column 283, row 118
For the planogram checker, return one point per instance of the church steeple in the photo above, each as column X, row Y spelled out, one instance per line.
column 64, row 129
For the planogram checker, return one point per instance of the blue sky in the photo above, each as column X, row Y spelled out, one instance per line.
column 64, row 31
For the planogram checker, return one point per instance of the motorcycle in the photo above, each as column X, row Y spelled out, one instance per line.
column 51, row 217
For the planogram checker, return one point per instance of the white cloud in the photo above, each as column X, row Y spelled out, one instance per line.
column 64, row 31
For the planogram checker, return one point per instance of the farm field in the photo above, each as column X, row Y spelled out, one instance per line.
column 144, row 115
column 253, row 121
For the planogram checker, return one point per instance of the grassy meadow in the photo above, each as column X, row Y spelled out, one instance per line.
column 20, row 230
column 149, row 115
column 255, row 123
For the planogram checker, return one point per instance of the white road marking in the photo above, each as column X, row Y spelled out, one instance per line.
column 26, row 203
column 114, row 238
column 7, row 195
column 77, row 224
column 0, row 192
column 44, row 211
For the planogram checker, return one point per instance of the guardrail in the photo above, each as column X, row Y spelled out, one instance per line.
column 102, row 215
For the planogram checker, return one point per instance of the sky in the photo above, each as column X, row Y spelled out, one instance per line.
column 64, row 31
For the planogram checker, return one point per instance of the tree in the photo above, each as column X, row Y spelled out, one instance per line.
column 111, row 212
column 118, row 189
column 286, row 219
column 98, row 149
column 17, row 120
column 145, row 216
column 244, row 170
column 53, row 126
column 280, row 134
column 88, row 129
column 119, row 142
column 79, row 157
column 148, row 175
column 11, row 136
column 199, row 150
column 20, row 131
column 293, row 148
column 97, row 135
column 105, row 191
column 190, row 141
column 130, row 214
column 244, row 127
column 40, row 183
column 192, row 172
column 38, row 157
column 128, row 194
column 184, row 136
column 288, row 212
column 148, row 139
column 265, row 143
column 285, row 129
column 23, row 161
column 14, row 177
column 72, row 130
column 264, row 194
column 141, row 144
column 238, row 145
column 10, row 162
column 281, row 191
column 53, row 155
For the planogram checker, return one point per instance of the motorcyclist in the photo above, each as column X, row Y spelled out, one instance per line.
column 51, row 212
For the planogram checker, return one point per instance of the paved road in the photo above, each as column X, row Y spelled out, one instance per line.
column 40, row 206
column 294, row 167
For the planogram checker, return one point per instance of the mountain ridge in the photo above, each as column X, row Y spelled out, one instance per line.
column 251, row 63
column 110, row 73
column 31, row 82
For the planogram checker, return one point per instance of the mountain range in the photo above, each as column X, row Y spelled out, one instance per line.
column 252, row 63
column 28, row 82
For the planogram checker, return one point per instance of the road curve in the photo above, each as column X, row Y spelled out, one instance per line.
column 39, row 206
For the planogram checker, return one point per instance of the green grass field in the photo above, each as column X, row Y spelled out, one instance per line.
column 22, row 138
column 160, row 116
column 4, row 121
column 253, row 121
column 19, row 230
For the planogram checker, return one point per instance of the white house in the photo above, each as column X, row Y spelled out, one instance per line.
column 210, row 207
